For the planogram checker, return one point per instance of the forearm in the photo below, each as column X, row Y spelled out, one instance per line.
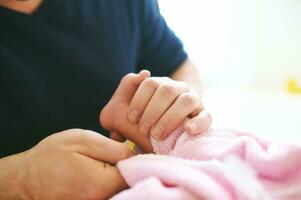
column 189, row 73
column 9, row 178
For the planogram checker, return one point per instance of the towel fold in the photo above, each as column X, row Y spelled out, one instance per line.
column 216, row 165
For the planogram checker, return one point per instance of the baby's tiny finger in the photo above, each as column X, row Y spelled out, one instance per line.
column 198, row 124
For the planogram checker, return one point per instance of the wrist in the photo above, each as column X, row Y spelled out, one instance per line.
column 12, row 178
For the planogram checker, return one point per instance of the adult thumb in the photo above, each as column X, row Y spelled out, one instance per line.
column 101, row 148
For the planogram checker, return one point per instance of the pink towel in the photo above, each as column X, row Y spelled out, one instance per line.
column 217, row 165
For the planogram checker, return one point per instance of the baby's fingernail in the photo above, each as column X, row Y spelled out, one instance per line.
column 192, row 127
column 144, row 128
column 134, row 116
column 157, row 132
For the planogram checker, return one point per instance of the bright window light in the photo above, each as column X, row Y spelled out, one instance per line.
column 240, row 43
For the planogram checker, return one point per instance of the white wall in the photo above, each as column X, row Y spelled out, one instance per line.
column 240, row 43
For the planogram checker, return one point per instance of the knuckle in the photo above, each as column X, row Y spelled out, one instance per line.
column 128, row 77
column 75, row 130
column 165, row 78
column 189, row 99
column 69, row 134
column 185, row 86
column 150, row 83
column 87, row 138
column 169, row 89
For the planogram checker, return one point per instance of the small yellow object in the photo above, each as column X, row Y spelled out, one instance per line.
column 293, row 87
column 130, row 145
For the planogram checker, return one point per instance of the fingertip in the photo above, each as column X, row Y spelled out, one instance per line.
column 145, row 73
column 207, row 118
column 191, row 128
column 141, row 76
column 158, row 132
column 198, row 124
column 161, row 136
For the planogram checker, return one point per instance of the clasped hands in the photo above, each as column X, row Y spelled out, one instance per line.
column 144, row 106
column 80, row 164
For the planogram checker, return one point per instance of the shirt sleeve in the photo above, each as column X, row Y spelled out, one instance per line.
column 161, row 51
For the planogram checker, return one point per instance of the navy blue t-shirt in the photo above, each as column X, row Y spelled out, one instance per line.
column 60, row 65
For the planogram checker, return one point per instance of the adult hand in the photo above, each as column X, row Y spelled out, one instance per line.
column 113, row 116
column 161, row 104
column 142, row 105
column 74, row 164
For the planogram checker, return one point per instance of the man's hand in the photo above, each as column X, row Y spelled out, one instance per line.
column 74, row 164
column 113, row 116
column 144, row 105
column 160, row 105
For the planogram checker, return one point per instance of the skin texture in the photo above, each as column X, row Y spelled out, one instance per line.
column 159, row 102
column 73, row 164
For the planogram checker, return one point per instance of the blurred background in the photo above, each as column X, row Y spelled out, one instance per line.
column 249, row 55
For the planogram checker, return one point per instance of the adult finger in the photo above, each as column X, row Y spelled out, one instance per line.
column 185, row 105
column 117, row 137
column 102, row 148
column 163, row 98
column 142, row 97
column 103, row 179
column 198, row 124
column 128, row 86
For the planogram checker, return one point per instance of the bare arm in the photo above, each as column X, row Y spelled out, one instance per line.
column 189, row 73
